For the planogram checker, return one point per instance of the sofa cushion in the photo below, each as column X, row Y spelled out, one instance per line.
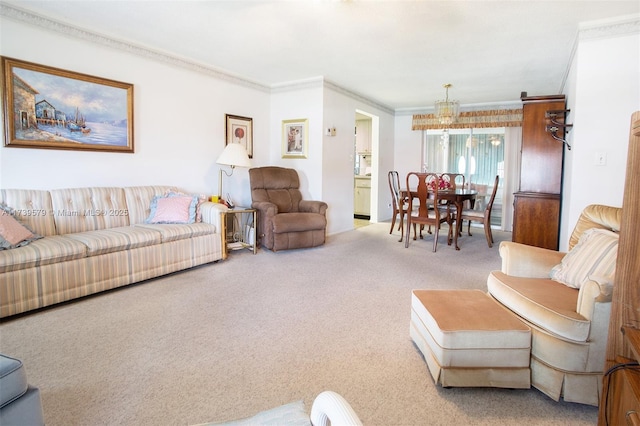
column 52, row 249
column 545, row 303
column 297, row 222
column 116, row 239
column 31, row 207
column 594, row 256
column 173, row 232
column 139, row 200
column 89, row 209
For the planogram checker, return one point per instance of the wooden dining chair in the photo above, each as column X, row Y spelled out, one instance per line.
column 456, row 180
column 398, row 201
column 427, row 212
column 483, row 216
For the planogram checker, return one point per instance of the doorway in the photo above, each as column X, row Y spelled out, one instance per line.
column 365, row 187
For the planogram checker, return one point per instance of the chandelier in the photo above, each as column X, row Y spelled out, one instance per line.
column 447, row 111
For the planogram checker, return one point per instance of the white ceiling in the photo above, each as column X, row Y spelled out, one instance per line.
column 397, row 53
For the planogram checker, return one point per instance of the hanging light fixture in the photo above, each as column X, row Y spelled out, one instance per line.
column 447, row 111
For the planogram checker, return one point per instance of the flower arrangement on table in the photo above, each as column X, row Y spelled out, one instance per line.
column 442, row 184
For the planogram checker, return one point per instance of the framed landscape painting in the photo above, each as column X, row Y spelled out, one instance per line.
column 51, row 108
column 240, row 130
column 294, row 138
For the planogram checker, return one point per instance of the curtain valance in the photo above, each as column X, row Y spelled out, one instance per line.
column 471, row 120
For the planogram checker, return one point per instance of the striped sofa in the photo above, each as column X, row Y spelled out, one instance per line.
column 96, row 239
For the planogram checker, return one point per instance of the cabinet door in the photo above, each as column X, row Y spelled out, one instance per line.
column 363, row 136
column 362, row 197
column 622, row 395
column 542, row 155
column 536, row 219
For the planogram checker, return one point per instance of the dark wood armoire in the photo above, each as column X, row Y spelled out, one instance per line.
column 537, row 204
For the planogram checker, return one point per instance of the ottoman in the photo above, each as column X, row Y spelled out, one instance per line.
column 469, row 340
column 20, row 403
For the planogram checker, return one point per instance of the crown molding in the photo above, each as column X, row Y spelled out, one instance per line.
column 614, row 27
column 357, row 96
column 290, row 86
column 18, row 14
column 31, row 18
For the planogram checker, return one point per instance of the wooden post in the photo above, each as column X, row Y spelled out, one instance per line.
column 625, row 306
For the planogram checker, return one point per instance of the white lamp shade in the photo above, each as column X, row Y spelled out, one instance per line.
column 234, row 155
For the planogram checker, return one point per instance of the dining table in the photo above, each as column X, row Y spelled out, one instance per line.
column 457, row 197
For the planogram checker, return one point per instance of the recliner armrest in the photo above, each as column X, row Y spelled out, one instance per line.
column 310, row 206
column 266, row 208
column 521, row 260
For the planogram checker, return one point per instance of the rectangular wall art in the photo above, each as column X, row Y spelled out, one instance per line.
column 51, row 108
column 240, row 130
column 295, row 138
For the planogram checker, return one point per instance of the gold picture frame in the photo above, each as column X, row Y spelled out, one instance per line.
column 239, row 130
column 295, row 138
column 51, row 108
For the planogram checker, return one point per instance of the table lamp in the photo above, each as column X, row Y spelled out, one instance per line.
column 234, row 155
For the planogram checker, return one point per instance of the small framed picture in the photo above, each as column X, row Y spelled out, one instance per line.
column 240, row 130
column 295, row 138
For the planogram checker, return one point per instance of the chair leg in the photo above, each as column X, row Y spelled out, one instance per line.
column 401, row 226
column 487, row 231
column 393, row 220
column 435, row 237
column 408, row 235
column 469, row 229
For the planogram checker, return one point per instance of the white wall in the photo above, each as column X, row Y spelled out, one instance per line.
column 179, row 120
column 407, row 148
column 299, row 102
column 603, row 90
column 340, row 112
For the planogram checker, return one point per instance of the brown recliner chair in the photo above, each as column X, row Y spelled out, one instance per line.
column 285, row 220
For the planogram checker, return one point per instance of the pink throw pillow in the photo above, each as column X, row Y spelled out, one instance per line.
column 12, row 230
column 172, row 210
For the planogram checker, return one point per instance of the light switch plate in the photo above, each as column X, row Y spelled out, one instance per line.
column 600, row 159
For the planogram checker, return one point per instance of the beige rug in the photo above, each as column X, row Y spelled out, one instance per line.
column 227, row 340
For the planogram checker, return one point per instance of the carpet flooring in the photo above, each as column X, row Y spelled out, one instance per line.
column 229, row 339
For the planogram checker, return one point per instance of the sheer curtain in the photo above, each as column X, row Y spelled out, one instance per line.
column 512, row 148
column 480, row 154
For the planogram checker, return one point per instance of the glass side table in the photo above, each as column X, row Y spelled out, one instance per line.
column 239, row 230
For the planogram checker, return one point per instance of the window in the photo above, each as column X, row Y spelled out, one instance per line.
column 479, row 154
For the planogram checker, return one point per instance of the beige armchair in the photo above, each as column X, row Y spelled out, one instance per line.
column 285, row 220
column 569, row 325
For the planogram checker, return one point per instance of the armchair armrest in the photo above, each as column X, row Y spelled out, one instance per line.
column 310, row 206
column 521, row 260
column 594, row 303
column 212, row 212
